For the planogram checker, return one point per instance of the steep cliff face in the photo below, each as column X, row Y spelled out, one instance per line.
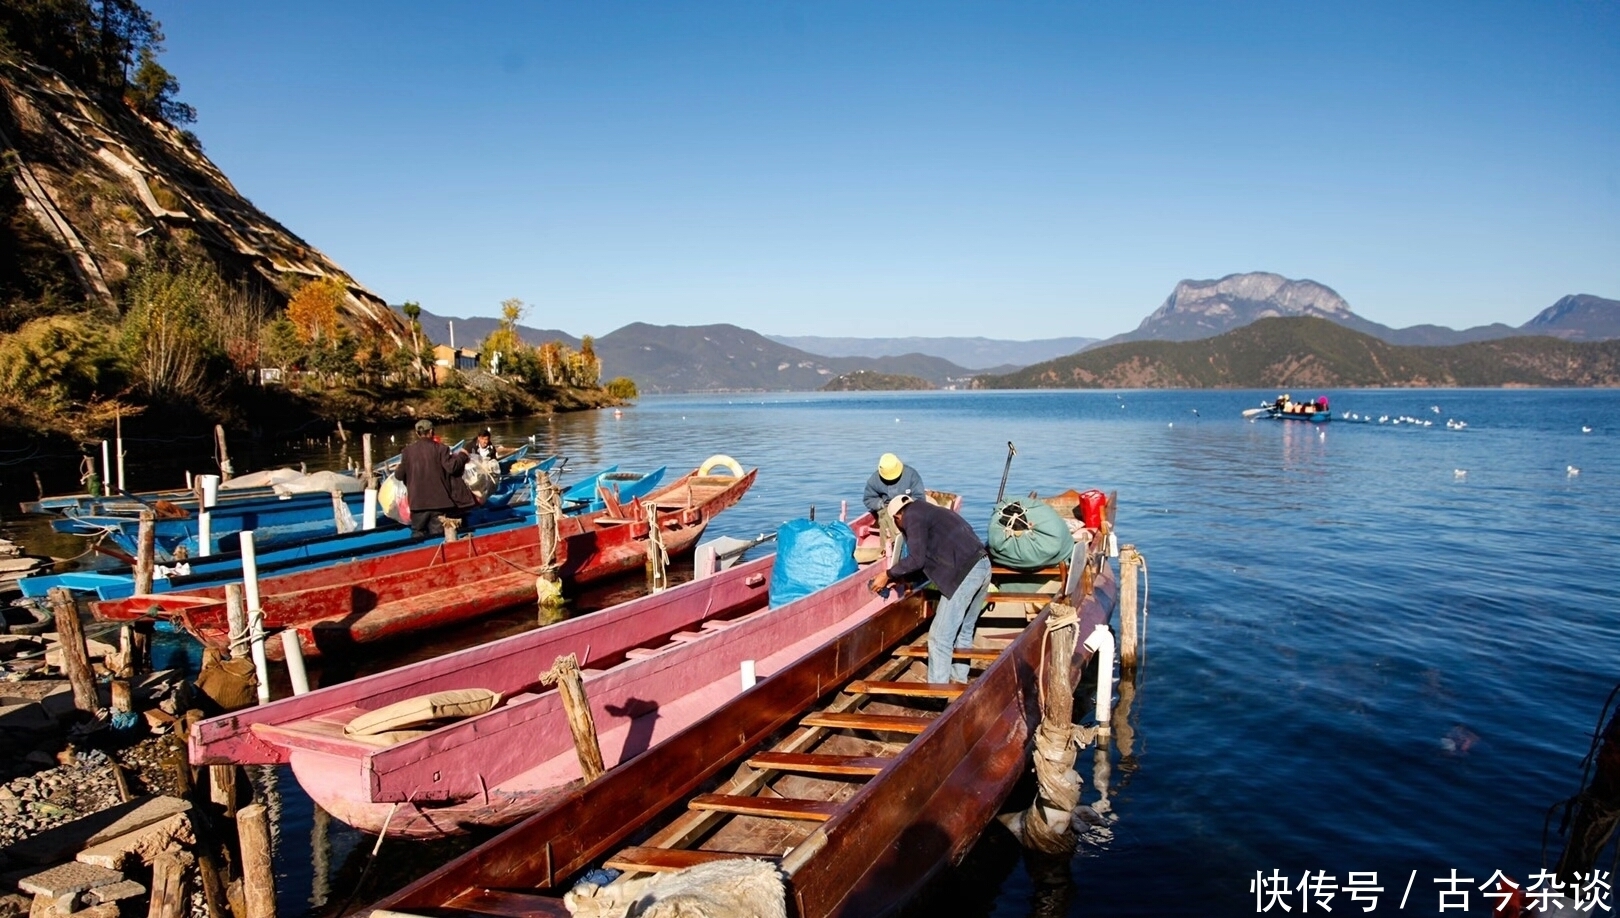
column 88, row 188
column 1200, row 309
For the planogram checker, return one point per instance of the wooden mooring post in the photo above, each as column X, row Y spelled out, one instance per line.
column 1129, row 641
column 145, row 552
column 75, row 655
column 258, row 877
column 564, row 673
column 225, row 469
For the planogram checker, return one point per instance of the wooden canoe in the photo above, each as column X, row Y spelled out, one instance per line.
column 441, row 583
column 836, row 773
column 652, row 666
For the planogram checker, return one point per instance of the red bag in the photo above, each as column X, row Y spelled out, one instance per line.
column 1093, row 503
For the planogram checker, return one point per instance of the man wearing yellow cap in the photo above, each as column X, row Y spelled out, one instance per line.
column 892, row 479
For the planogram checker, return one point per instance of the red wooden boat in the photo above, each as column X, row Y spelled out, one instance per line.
column 838, row 777
column 441, row 583
column 652, row 666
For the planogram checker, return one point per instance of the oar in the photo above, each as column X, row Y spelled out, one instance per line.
column 1255, row 412
column 1002, row 491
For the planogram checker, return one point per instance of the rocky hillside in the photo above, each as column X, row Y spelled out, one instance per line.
column 91, row 188
column 1310, row 352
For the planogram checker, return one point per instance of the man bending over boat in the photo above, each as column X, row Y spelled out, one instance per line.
column 431, row 474
column 943, row 548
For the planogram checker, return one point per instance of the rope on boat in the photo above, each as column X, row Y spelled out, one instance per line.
column 1047, row 825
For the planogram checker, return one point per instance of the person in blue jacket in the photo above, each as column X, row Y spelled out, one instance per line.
column 892, row 479
column 942, row 547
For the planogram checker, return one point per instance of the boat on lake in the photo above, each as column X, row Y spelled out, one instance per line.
column 1285, row 408
column 651, row 666
column 841, row 770
column 436, row 583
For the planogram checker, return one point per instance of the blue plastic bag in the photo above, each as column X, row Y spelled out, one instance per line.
column 809, row 557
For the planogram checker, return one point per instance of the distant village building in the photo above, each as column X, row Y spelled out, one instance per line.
column 447, row 358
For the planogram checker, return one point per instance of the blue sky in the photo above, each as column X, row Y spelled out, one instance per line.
column 1014, row 170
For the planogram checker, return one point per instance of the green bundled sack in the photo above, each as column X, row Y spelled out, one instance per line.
column 1028, row 534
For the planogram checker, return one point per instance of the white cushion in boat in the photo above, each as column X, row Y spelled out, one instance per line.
column 423, row 709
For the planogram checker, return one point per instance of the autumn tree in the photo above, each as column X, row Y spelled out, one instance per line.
column 314, row 308
column 504, row 339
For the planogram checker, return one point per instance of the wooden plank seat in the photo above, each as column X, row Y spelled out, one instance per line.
column 1008, row 596
column 920, row 651
column 683, row 636
column 813, row 763
column 768, row 807
column 658, row 860
column 891, row 723
column 911, row 689
column 637, row 653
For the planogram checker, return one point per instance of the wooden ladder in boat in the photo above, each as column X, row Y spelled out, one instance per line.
column 691, row 838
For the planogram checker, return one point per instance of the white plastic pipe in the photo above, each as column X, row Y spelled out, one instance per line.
column 106, row 467
column 205, row 517
column 120, row 451
column 294, row 651
column 189, row 483
column 370, row 513
column 1101, row 643
column 250, row 585
column 748, row 677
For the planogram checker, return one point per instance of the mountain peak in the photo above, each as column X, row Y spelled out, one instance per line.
column 1200, row 308
column 1578, row 317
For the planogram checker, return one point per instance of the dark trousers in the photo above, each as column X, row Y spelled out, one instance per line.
column 427, row 523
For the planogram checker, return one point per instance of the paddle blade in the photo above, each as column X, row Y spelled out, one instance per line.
column 1253, row 412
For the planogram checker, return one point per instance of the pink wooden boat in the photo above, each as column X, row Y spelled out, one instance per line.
column 652, row 666
column 441, row 583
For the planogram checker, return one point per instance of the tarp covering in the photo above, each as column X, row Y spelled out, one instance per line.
column 810, row 556
column 320, row 481
column 1026, row 533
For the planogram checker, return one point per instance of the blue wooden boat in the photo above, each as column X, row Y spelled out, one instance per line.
column 322, row 551
column 1284, row 409
column 592, row 494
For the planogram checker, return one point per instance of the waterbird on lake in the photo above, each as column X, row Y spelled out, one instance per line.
column 1572, row 471
column 1585, row 429
column 1459, row 474
column 1435, row 408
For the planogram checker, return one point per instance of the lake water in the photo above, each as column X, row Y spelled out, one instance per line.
column 1371, row 648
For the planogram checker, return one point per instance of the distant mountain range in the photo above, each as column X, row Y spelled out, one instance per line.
column 684, row 358
column 1203, row 309
column 975, row 353
column 1314, row 352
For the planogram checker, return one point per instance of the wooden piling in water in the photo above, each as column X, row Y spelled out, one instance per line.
column 258, row 879
column 225, row 469
column 236, row 617
column 1129, row 642
column 75, row 655
column 564, row 673
column 145, row 552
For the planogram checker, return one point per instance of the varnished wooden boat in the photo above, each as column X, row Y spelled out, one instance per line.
column 831, row 769
column 440, row 583
column 652, row 666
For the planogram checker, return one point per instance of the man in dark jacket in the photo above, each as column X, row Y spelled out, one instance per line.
column 942, row 547
column 430, row 474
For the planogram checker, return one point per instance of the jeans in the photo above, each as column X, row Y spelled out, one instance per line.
column 953, row 624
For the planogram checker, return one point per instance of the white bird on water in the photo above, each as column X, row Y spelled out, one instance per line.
column 1585, row 429
column 1435, row 408
column 1572, row 471
column 1459, row 474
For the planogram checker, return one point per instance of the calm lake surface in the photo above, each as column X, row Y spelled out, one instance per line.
column 1370, row 647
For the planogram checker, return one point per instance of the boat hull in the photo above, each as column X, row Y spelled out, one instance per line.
column 442, row 583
